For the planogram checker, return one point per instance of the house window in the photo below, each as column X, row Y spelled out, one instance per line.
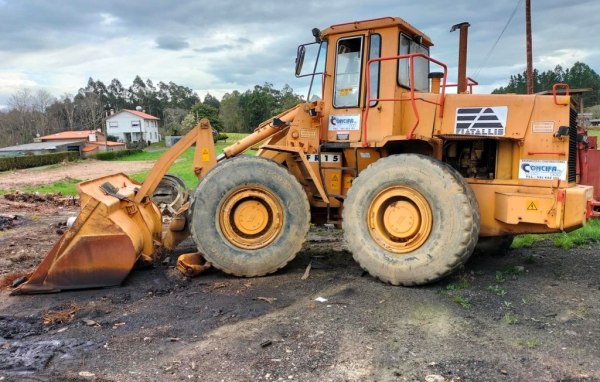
column 114, row 124
column 135, row 123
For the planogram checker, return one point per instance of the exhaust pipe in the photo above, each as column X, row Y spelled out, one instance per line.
column 462, row 55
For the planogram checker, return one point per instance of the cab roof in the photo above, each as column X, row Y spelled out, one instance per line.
column 383, row 22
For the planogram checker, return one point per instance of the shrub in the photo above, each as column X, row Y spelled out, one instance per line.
column 110, row 155
column 27, row 161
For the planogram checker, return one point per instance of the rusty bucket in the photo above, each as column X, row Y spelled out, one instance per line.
column 111, row 232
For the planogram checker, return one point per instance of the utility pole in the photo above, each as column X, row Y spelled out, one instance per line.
column 529, row 49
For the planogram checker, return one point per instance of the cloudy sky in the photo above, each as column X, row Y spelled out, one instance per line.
column 220, row 45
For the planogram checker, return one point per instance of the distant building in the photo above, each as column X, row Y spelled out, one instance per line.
column 47, row 147
column 94, row 141
column 85, row 135
column 133, row 126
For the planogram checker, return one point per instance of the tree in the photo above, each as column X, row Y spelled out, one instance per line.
column 210, row 100
column 200, row 110
column 579, row 76
column 230, row 113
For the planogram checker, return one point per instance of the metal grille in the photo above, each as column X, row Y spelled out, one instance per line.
column 572, row 164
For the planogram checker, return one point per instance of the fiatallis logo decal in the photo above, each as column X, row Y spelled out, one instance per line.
column 490, row 121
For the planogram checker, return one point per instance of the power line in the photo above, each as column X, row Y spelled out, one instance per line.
column 498, row 39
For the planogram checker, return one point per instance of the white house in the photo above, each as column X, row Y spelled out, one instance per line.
column 133, row 126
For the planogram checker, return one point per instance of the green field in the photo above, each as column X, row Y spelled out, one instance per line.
column 595, row 133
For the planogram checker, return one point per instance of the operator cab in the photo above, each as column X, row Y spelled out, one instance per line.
column 364, row 63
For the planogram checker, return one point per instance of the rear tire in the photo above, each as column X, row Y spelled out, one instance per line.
column 409, row 219
column 250, row 216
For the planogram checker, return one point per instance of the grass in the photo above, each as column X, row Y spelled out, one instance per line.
column 526, row 241
column 182, row 166
column 529, row 343
column 510, row 319
column 497, row 290
column 595, row 133
column 460, row 300
column 589, row 233
column 460, row 284
column 65, row 187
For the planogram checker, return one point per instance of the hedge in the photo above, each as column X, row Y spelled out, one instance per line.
column 27, row 161
column 109, row 155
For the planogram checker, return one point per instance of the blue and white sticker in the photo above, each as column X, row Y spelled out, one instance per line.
column 344, row 122
column 485, row 120
column 542, row 169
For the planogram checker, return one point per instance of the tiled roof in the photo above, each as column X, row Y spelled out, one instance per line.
column 107, row 143
column 141, row 114
column 87, row 149
column 83, row 134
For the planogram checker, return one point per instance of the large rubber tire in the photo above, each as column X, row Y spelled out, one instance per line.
column 449, row 220
column 235, row 186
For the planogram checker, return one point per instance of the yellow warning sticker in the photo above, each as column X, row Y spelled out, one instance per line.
column 345, row 91
column 348, row 182
column 335, row 182
column 205, row 155
column 531, row 206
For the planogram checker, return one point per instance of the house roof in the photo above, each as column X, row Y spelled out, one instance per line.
column 39, row 146
column 87, row 149
column 140, row 114
column 83, row 134
column 107, row 143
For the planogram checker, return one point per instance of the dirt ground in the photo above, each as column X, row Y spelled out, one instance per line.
column 532, row 315
column 84, row 170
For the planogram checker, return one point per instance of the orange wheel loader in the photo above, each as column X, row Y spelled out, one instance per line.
column 414, row 174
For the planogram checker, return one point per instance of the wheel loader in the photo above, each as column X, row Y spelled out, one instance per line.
column 414, row 169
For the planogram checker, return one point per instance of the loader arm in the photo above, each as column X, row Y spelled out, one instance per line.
column 204, row 157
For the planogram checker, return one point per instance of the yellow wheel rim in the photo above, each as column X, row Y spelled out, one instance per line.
column 251, row 217
column 400, row 219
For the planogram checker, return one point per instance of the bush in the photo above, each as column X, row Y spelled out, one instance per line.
column 27, row 161
column 222, row 137
column 110, row 155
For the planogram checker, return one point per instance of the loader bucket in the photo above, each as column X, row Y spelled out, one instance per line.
column 102, row 246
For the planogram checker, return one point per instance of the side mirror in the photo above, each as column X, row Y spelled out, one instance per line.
column 300, row 59
column 562, row 131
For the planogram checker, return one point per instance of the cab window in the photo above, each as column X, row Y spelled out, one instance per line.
column 421, row 69
column 347, row 71
column 374, row 52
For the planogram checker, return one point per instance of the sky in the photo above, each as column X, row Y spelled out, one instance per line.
column 221, row 45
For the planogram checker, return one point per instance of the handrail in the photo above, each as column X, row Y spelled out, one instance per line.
column 410, row 58
column 470, row 83
column 567, row 91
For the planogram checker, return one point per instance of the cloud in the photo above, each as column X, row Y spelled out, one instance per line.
column 225, row 46
column 214, row 48
column 171, row 43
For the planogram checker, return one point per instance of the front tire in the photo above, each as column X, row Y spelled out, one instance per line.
column 409, row 219
column 250, row 216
